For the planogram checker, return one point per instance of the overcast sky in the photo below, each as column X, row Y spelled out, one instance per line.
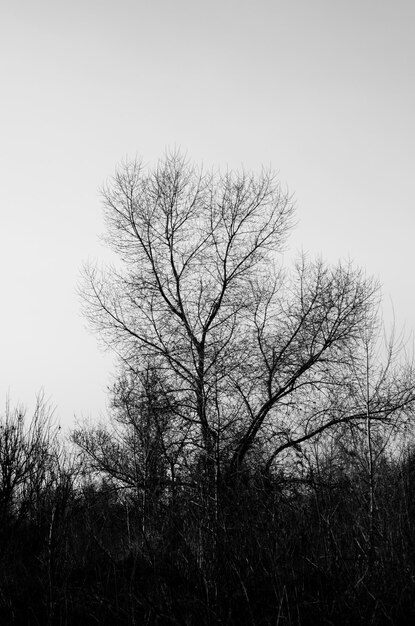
column 321, row 90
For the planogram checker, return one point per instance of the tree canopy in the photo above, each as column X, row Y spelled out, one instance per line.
column 248, row 354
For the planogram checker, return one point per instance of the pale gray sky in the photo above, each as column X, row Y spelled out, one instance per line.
column 322, row 90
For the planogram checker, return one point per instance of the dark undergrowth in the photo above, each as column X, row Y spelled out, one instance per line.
column 269, row 552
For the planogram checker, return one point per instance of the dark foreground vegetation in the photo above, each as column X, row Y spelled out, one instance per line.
column 257, row 464
column 297, row 548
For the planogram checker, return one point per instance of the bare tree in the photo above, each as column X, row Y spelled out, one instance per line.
column 140, row 450
column 249, row 352
column 381, row 385
column 28, row 451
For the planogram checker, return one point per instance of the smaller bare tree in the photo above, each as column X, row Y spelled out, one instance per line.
column 141, row 450
column 27, row 457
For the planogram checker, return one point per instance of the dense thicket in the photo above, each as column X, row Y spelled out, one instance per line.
column 254, row 467
column 293, row 547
